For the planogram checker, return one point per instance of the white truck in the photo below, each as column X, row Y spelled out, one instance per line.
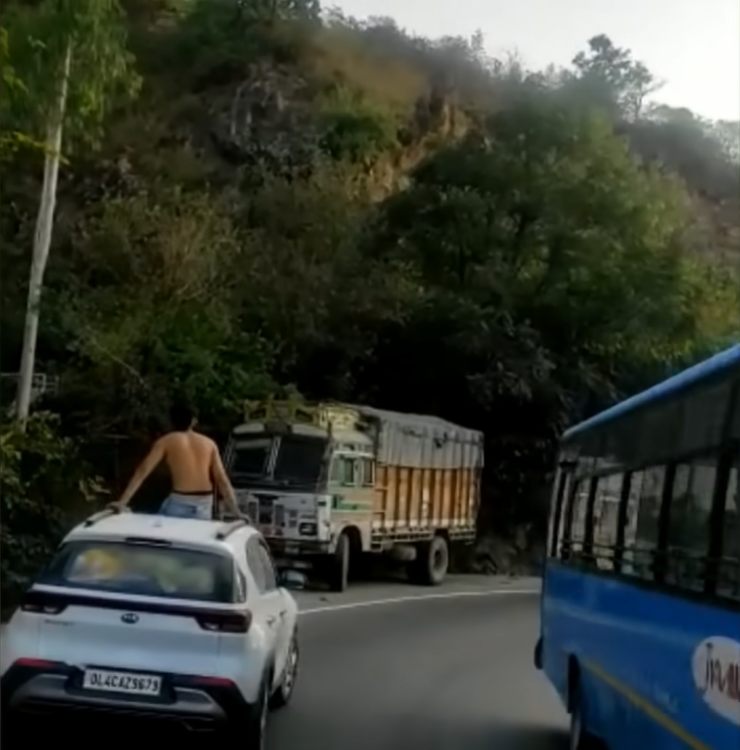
column 329, row 482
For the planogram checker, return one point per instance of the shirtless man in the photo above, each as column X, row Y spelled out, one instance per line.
column 194, row 463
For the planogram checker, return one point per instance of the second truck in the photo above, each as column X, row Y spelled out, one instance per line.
column 328, row 483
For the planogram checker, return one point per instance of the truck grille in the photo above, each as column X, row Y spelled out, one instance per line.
column 266, row 510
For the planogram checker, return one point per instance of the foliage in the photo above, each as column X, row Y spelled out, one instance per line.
column 39, row 36
column 44, row 486
column 541, row 261
column 353, row 130
column 550, row 266
column 13, row 89
column 702, row 153
column 610, row 76
column 145, row 305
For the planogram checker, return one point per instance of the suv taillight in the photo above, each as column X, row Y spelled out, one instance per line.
column 225, row 622
column 40, row 664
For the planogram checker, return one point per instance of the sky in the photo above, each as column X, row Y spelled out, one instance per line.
column 692, row 45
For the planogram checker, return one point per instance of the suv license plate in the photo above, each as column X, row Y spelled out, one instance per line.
column 122, row 682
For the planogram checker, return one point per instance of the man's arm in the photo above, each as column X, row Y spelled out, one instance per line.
column 143, row 470
column 222, row 480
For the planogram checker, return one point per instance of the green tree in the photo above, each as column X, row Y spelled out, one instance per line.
column 147, row 300
column 699, row 151
column 610, row 77
column 44, row 487
column 72, row 55
column 12, row 91
column 549, row 267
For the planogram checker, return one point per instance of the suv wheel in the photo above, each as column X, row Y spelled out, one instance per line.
column 256, row 725
column 282, row 695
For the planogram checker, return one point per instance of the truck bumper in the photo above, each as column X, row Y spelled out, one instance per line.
column 298, row 553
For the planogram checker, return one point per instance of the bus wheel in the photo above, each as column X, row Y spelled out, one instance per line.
column 580, row 738
column 339, row 566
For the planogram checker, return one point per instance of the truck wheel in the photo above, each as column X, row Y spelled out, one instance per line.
column 432, row 561
column 339, row 568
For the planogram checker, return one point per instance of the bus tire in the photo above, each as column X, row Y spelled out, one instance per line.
column 579, row 737
column 339, row 564
column 432, row 562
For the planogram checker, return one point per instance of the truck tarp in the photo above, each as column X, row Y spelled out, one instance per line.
column 414, row 440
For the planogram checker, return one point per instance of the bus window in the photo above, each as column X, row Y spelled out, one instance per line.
column 729, row 574
column 688, row 531
column 577, row 533
column 561, row 495
column 605, row 519
column 643, row 511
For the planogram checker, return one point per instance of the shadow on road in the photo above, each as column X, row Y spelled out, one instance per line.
column 431, row 734
column 424, row 733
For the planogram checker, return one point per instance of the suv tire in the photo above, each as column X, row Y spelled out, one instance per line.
column 281, row 697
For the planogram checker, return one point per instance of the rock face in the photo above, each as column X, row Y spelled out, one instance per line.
column 269, row 118
column 436, row 120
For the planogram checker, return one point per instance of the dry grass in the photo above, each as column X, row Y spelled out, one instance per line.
column 343, row 56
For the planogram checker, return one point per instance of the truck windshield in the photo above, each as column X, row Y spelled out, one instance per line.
column 296, row 460
column 299, row 459
column 251, row 456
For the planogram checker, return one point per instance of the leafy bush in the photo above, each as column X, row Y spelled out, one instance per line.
column 44, row 489
column 354, row 130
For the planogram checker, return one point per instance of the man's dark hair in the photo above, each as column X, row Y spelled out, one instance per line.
column 182, row 415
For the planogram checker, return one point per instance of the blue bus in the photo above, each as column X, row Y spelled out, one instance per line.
column 640, row 629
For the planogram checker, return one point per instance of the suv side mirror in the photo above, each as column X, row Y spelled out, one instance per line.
column 293, row 580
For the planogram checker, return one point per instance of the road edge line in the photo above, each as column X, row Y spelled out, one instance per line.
column 423, row 597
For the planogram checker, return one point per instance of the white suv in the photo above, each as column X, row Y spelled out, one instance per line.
column 155, row 617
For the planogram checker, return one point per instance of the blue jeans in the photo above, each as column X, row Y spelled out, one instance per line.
column 188, row 506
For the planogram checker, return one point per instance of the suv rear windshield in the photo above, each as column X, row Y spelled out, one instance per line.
column 143, row 569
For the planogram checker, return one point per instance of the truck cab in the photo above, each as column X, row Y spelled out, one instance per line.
column 297, row 473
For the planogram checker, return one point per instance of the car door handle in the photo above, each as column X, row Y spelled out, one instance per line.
column 271, row 621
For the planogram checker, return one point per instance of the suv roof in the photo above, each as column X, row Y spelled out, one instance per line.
column 165, row 528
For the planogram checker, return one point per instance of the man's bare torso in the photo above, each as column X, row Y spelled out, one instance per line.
column 189, row 457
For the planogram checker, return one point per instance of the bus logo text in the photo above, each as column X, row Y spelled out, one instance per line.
column 716, row 670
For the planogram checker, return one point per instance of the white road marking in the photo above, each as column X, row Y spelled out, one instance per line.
column 423, row 597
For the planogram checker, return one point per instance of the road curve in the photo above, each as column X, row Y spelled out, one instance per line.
column 439, row 673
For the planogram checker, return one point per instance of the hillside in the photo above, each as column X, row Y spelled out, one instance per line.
column 285, row 199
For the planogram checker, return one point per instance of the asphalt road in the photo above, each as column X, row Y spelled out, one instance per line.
column 395, row 666
column 439, row 673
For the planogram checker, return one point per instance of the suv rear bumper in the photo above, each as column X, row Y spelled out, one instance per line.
column 190, row 702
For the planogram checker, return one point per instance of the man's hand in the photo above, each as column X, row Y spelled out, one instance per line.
column 118, row 506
